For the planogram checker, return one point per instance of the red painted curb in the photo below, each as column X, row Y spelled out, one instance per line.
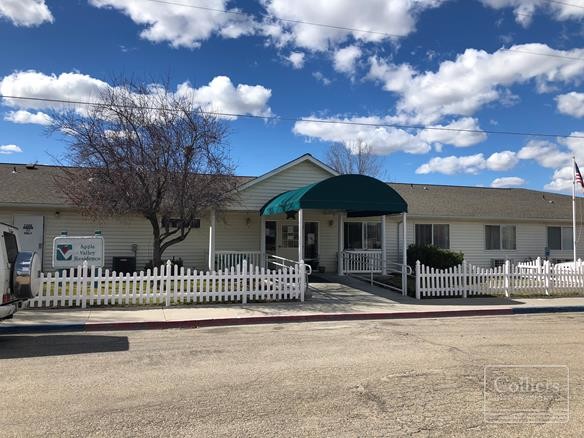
column 282, row 319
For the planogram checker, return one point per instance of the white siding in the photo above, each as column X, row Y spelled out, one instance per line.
column 469, row 238
column 301, row 174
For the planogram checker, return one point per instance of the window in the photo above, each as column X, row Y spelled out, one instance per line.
column 433, row 234
column 271, row 236
column 560, row 238
column 363, row 235
column 500, row 237
column 289, row 236
column 11, row 247
column 353, row 235
column 373, row 235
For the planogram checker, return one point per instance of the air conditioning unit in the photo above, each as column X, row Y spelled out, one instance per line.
column 495, row 263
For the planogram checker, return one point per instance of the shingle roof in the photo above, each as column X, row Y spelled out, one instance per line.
column 26, row 186
column 486, row 203
column 22, row 186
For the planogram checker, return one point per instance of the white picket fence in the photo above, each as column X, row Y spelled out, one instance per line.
column 90, row 286
column 526, row 278
column 360, row 262
column 227, row 259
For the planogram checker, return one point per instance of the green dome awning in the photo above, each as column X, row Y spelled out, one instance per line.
column 357, row 195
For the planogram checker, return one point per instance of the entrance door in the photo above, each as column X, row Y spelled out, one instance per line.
column 31, row 233
column 288, row 240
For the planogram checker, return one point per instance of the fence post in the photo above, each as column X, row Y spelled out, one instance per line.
column 244, row 276
column 418, row 280
column 302, row 269
column 547, row 280
column 506, row 278
column 84, row 285
column 464, row 279
column 168, row 281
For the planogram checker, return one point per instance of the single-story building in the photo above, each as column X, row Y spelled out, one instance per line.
column 342, row 220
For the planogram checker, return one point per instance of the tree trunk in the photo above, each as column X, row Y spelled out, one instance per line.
column 156, row 251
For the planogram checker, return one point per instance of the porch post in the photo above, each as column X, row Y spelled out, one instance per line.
column 405, row 255
column 383, row 246
column 341, row 243
column 300, row 235
column 263, row 241
column 212, row 227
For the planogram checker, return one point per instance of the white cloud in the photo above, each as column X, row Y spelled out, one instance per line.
column 450, row 165
column 571, row 104
column 450, row 135
column 525, row 9
column 471, row 164
column 179, row 25
column 561, row 180
column 9, row 149
column 321, row 78
column 66, row 86
column 219, row 95
column 26, row 117
column 381, row 140
column 26, row 13
column 385, row 18
column 507, row 181
column 222, row 96
column 346, row 58
column 545, row 153
column 474, row 79
column 296, row 59
column 501, row 161
column 385, row 140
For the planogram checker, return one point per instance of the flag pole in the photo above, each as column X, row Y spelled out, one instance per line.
column 574, row 207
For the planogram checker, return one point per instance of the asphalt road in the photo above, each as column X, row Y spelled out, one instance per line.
column 385, row 378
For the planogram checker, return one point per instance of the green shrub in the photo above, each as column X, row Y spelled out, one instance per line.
column 433, row 256
column 178, row 262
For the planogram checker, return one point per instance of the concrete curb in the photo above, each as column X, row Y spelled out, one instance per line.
column 277, row 319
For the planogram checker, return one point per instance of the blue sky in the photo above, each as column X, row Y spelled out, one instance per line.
column 470, row 64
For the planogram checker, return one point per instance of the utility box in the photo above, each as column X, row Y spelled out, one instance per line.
column 124, row 265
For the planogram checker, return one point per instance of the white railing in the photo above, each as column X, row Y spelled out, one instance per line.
column 360, row 262
column 277, row 262
column 466, row 280
column 167, row 285
column 228, row 259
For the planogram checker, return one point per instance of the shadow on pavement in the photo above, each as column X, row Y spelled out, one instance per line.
column 13, row 347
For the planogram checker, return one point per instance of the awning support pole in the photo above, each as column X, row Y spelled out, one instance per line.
column 341, row 230
column 405, row 254
column 263, row 241
column 212, row 226
column 383, row 246
column 300, row 235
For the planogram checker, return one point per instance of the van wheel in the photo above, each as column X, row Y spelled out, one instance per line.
column 26, row 275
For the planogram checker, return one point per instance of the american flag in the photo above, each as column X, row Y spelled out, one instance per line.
column 579, row 178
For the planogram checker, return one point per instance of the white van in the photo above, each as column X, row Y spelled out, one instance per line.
column 19, row 272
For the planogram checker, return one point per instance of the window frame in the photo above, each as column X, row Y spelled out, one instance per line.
column 364, row 235
column 500, row 226
column 562, row 228
column 432, row 236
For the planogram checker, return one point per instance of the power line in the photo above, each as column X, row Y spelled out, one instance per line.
column 566, row 4
column 350, row 29
column 304, row 119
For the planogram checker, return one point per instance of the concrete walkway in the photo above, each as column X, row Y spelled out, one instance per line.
column 329, row 301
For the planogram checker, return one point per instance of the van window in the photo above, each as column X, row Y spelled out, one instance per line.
column 11, row 247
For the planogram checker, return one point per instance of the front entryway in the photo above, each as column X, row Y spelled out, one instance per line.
column 282, row 239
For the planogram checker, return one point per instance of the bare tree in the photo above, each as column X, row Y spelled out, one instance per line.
column 146, row 150
column 356, row 158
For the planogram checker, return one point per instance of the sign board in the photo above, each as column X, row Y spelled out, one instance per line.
column 72, row 251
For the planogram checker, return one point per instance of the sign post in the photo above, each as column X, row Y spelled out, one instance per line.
column 72, row 251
